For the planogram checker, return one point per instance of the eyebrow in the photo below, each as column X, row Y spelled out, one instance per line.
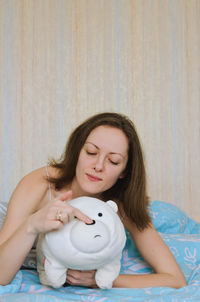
column 99, row 148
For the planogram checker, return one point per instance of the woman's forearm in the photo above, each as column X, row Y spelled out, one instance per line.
column 149, row 280
column 13, row 252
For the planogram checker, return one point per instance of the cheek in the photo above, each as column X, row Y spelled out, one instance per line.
column 81, row 160
column 114, row 175
column 82, row 164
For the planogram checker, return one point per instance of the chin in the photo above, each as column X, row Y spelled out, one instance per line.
column 88, row 191
column 92, row 189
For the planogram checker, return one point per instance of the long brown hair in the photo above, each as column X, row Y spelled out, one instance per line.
column 129, row 190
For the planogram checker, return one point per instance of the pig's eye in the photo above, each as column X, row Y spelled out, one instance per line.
column 100, row 214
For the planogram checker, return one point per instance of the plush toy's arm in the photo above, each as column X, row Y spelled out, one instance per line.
column 108, row 273
column 55, row 273
column 51, row 272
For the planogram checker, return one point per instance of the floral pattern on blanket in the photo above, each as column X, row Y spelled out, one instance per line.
column 181, row 234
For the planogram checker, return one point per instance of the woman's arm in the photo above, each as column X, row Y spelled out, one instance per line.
column 29, row 213
column 15, row 238
column 156, row 253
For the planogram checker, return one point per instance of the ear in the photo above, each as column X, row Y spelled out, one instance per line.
column 113, row 205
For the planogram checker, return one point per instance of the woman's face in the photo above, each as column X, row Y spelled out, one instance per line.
column 101, row 162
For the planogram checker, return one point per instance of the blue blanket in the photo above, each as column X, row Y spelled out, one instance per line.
column 181, row 234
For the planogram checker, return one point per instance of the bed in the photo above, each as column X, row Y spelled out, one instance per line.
column 181, row 234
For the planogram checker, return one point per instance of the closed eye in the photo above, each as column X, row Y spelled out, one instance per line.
column 114, row 163
column 90, row 153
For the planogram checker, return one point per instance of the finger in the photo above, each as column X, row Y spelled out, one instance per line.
column 71, row 281
column 54, row 225
column 88, row 275
column 72, row 271
column 64, row 218
column 73, row 277
column 70, row 217
column 78, row 214
column 91, row 272
column 82, row 278
column 73, row 274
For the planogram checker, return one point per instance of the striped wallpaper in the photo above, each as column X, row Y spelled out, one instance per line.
column 64, row 60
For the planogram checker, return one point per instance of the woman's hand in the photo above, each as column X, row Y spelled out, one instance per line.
column 54, row 215
column 81, row 278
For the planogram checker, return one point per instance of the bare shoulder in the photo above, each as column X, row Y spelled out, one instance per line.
column 33, row 188
column 25, row 200
column 37, row 179
column 34, row 180
column 31, row 191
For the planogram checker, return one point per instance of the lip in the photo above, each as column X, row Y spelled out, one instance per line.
column 93, row 178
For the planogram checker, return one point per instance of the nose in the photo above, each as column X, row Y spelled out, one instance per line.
column 99, row 165
column 93, row 222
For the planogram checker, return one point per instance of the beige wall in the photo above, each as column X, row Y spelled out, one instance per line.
column 64, row 60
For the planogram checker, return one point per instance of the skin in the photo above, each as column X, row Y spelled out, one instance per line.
column 101, row 162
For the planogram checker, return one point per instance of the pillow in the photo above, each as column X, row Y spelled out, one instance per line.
column 168, row 218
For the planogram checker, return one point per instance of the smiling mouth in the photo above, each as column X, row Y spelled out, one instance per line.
column 93, row 178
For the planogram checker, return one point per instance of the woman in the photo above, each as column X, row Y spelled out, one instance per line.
column 103, row 159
